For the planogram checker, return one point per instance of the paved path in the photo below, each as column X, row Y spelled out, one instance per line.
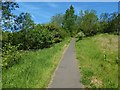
column 67, row 75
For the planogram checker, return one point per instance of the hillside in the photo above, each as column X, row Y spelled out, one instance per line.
column 98, row 61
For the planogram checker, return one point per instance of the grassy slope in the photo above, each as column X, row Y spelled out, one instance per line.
column 36, row 69
column 98, row 60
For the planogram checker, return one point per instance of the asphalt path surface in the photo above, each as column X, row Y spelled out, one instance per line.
column 67, row 74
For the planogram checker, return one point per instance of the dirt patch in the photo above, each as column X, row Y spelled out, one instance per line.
column 95, row 81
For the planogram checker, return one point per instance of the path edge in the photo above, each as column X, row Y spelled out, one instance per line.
column 78, row 65
column 52, row 76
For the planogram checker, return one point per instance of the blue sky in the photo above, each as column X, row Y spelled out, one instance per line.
column 42, row 12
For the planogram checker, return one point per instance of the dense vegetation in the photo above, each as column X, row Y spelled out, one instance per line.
column 98, row 61
column 35, row 69
column 21, row 35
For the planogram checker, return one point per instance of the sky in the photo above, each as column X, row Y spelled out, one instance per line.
column 41, row 12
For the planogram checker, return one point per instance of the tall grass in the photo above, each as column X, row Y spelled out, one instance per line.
column 35, row 68
column 98, row 61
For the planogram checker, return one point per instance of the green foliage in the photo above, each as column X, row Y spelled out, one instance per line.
column 69, row 20
column 4, row 37
column 10, row 56
column 7, row 16
column 89, row 22
column 24, row 22
column 21, row 33
column 80, row 35
column 109, row 23
column 35, row 68
column 57, row 19
column 42, row 36
column 45, row 36
column 113, row 25
column 57, row 40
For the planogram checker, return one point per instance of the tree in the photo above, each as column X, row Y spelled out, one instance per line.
column 109, row 22
column 57, row 20
column 104, row 17
column 89, row 23
column 69, row 20
column 113, row 23
column 8, row 18
column 78, row 21
column 24, row 23
column 104, row 22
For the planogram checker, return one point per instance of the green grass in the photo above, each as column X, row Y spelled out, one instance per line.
column 98, row 61
column 35, row 68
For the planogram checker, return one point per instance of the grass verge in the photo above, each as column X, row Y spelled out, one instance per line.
column 98, row 61
column 36, row 68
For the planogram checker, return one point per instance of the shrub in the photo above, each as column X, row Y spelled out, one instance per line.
column 80, row 35
column 57, row 40
column 10, row 56
column 42, row 36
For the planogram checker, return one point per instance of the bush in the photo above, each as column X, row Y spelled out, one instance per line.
column 10, row 56
column 57, row 40
column 80, row 35
column 57, row 30
column 42, row 36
